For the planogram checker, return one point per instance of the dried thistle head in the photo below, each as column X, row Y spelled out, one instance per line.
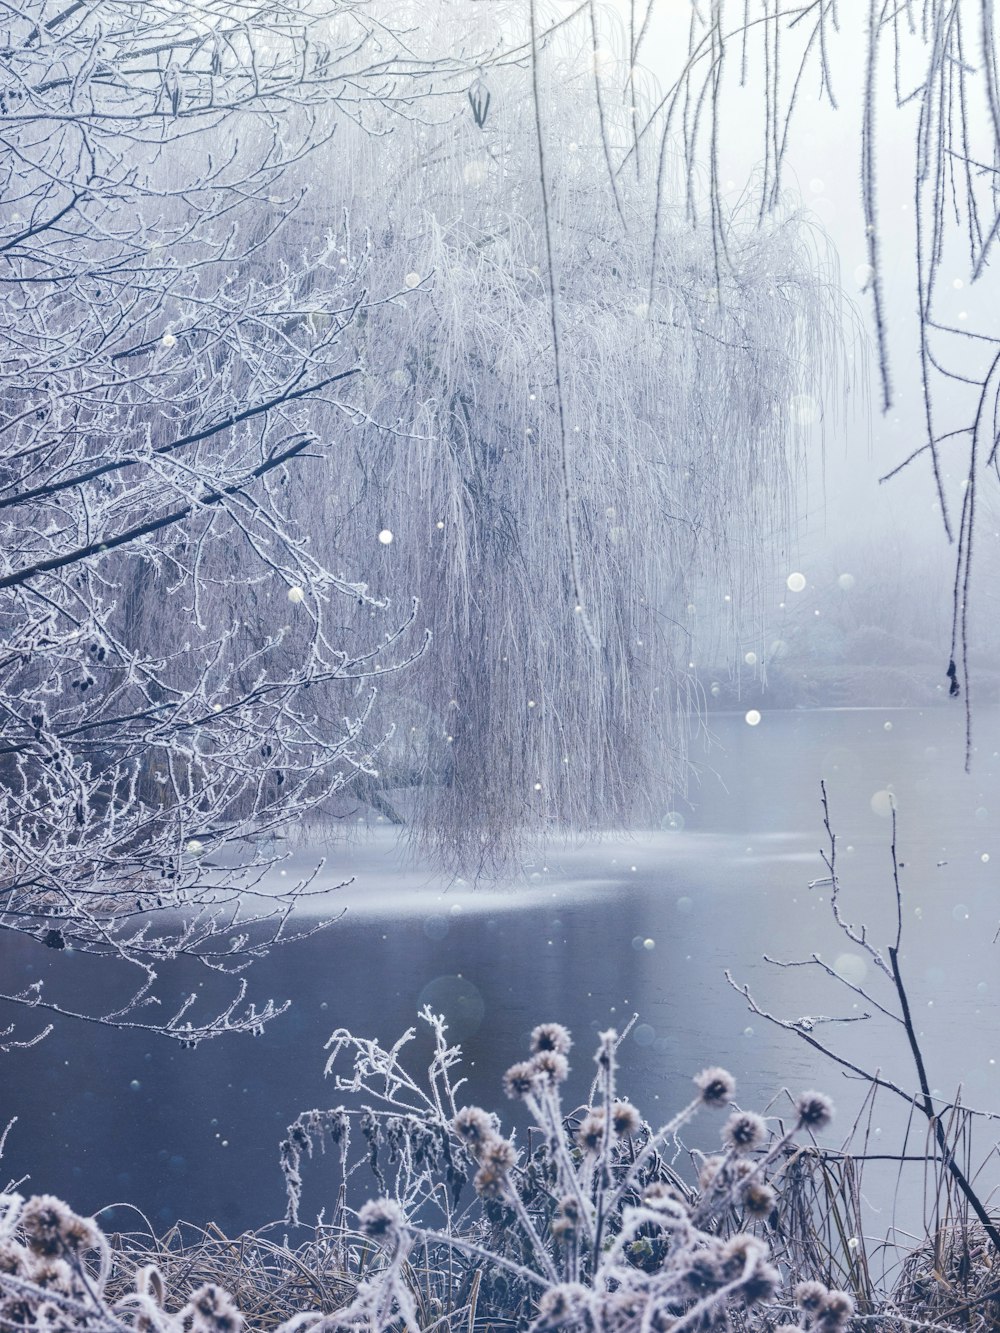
column 590, row 1132
column 382, row 1220
column 604, row 1056
column 740, row 1253
column 837, row 1309
column 499, row 1154
column 810, row 1296
column 473, row 1126
column 744, row 1131
column 625, row 1119
column 710, row 1168
column 80, row 1234
column 814, row 1110
column 566, row 1219
column 761, row 1284
column 212, row 1311
column 563, row 1303
column 13, row 1258
column 51, row 1227
column 715, row 1085
column 759, row 1199
column 519, row 1080
column 53, row 1275
column 703, row 1271
column 490, row 1182
column 550, row 1068
column 550, row 1037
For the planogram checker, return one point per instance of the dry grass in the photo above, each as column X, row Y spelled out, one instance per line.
column 269, row 1281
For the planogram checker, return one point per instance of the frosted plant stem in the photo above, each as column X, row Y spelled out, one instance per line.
column 470, row 1247
column 524, row 1218
column 671, row 1127
column 549, row 1113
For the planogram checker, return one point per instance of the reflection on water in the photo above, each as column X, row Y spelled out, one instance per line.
column 588, row 937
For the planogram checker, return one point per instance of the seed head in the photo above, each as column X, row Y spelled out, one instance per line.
column 815, row 1110
column 489, row 1182
column 562, row 1304
column 381, row 1220
column 519, row 1080
column 741, row 1253
column 213, row 1311
column 625, row 1119
column 551, row 1068
column 744, row 1131
column 837, row 1309
column 566, row 1219
column 53, row 1275
column 604, row 1057
column 759, row 1199
column 810, row 1296
column 46, row 1221
column 839, row 1303
column 13, row 1258
column 590, row 1134
column 704, row 1272
column 499, row 1154
column 80, row 1234
column 550, row 1037
column 761, row 1285
column 717, row 1086
column 473, row 1126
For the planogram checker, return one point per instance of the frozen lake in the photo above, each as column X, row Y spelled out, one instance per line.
column 590, row 936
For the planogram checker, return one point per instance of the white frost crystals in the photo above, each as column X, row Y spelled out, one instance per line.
column 152, row 463
column 595, row 1221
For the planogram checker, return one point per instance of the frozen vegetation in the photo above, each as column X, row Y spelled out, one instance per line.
column 410, row 408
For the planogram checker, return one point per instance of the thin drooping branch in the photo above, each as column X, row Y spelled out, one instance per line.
column 569, row 498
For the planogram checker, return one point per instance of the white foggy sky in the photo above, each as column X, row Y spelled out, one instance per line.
column 842, row 502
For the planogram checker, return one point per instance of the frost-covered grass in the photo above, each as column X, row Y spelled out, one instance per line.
column 591, row 1221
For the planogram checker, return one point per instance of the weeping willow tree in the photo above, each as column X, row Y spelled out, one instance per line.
column 579, row 407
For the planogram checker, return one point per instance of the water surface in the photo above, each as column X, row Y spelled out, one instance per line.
column 588, row 936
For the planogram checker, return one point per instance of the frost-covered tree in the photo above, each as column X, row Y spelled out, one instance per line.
column 583, row 405
column 914, row 93
column 170, row 332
